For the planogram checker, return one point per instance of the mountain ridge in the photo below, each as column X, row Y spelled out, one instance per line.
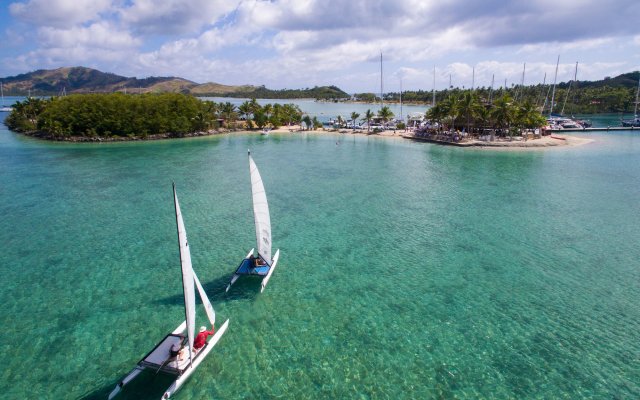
column 70, row 80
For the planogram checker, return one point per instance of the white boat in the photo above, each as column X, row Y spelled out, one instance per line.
column 3, row 108
column 161, row 358
column 635, row 121
column 265, row 131
column 261, row 264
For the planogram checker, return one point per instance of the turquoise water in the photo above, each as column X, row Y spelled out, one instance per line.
column 407, row 270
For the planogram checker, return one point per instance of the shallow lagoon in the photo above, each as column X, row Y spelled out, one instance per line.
column 408, row 270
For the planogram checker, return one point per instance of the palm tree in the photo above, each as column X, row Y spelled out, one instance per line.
column 354, row 117
column 437, row 113
column 267, row 109
column 386, row 114
column 502, row 112
column 451, row 108
column 469, row 106
column 484, row 116
column 245, row 110
column 367, row 117
column 307, row 121
column 254, row 106
column 228, row 111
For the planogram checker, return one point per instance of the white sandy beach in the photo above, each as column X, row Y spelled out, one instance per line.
column 545, row 142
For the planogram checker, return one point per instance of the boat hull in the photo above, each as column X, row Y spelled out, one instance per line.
column 175, row 386
column 273, row 267
column 183, row 374
column 245, row 269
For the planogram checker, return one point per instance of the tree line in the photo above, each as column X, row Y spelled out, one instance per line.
column 568, row 100
column 318, row 93
column 617, row 95
column 467, row 111
column 121, row 115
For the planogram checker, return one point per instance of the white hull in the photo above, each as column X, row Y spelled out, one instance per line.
column 187, row 372
column 235, row 277
column 163, row 357
column 274, row 262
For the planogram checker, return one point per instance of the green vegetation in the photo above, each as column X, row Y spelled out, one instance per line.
column 467, row 112
column 138, row 116
column 318, row 93
column 611, row 95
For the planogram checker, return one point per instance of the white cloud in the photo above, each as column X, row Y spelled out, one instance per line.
column 99, row 35
column 59, row 13
column 175, row 16
column 284, row 43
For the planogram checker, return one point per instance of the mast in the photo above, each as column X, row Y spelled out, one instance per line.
column 473, row 77
column 635, row 110
column 544, row 80
column 187, row 276
column 575, row 75
column 260, row 213
column 521, row 88
column 491, row 90
column 401, row 115
column 553, row 92
column 381, row 89
column 433, row 91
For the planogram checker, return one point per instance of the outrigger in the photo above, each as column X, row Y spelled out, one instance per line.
column 175, row 354
column 261, row 264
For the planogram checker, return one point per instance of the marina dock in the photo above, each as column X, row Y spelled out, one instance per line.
column 598, row 129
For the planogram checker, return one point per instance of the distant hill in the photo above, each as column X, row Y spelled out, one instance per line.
column 628, row 80
column 86, row 80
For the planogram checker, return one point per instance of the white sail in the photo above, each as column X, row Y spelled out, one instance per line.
column 205, row 300
column 260, row 213
column 187, row 276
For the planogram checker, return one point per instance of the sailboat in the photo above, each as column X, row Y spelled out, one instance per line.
column 635, row 121
column 4, row 108
column 163, row 357
column 261, row 264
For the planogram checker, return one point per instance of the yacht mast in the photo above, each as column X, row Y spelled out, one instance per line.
column 553, row 93
column 433, row 90
column 401, row 115
column 493, row 76
column 381, row 90
column 635, row 110
column 575, row 75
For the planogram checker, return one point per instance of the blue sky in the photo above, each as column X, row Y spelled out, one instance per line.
column 304, row 43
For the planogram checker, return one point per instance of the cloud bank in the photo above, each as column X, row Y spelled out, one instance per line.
column 300, row 43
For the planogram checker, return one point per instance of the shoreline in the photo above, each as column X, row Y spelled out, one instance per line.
column 546, row 142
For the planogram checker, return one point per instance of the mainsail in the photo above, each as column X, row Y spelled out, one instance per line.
column 187, row 276
column 205, row 300
column 260, row 212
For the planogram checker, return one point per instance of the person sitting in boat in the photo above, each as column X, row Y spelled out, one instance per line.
column 177, row 352
column 201, row 338
column 259, row 262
